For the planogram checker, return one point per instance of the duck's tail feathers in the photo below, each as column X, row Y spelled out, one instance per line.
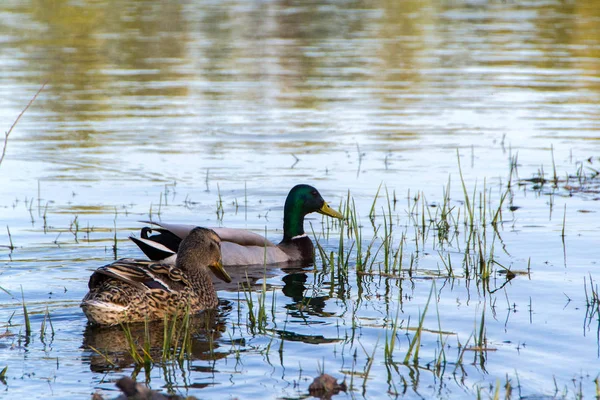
column 103, row 305
column 103, row 312
column 159, row 246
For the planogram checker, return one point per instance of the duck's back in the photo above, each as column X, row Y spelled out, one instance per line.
column 235, row 254
column 131, row 290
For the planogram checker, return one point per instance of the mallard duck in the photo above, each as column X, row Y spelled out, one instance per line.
column 242, row 247
column 131, row 290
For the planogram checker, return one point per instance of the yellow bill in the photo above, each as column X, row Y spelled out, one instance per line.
column 326, row 210
column 219, row 271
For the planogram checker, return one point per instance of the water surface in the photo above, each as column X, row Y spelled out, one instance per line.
column 162, row 109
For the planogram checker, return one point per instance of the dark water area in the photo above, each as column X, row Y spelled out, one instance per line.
column 209, row 112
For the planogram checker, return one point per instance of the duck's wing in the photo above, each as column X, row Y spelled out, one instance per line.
column 146, row 275
column 242, row 237
column 234, row 254
column 239, row 236
column 166, row 242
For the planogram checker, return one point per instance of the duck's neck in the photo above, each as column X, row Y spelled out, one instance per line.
column 293, row 222
column 198, row 275
column 199, row 278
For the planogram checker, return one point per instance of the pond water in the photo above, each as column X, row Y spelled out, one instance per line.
column 209, row 112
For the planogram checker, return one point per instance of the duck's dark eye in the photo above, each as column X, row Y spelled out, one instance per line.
column 314, row 193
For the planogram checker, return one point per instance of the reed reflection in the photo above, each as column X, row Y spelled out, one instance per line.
column 156, row 342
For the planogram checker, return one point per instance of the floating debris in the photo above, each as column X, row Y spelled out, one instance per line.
column 324, row 386
column 135, row 391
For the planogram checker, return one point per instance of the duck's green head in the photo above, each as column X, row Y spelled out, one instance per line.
column 302, row 200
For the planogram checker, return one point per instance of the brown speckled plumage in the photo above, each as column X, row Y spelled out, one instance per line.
column 131, row 290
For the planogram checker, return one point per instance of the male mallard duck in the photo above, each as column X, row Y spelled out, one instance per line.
column 131, row 290
column 242, row 247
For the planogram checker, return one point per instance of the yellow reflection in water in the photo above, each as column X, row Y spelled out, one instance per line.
column 112, row 65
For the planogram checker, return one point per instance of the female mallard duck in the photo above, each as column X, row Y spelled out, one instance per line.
column 241, row 247
column 131, row 290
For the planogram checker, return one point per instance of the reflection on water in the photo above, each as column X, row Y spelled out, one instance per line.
column 110, row 348
column 125, row 74
column 167, row 109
